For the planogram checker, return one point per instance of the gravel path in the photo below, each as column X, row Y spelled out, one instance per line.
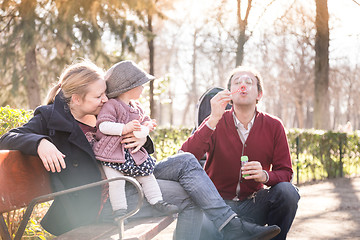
column 327, row 210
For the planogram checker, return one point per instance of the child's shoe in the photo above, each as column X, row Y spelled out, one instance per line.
column 165, row 207
column 118, row 214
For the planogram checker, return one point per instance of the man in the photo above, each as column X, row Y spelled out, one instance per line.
column 226, row 136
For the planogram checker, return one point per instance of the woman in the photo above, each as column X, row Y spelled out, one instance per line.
column 55, row 134
column 61, row 134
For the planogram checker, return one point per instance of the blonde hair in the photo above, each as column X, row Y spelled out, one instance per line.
column 74, row 80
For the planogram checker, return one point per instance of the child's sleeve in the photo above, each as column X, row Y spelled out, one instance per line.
column 111, row 128
column 143, row 117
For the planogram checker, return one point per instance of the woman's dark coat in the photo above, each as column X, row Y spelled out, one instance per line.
column 55, row 123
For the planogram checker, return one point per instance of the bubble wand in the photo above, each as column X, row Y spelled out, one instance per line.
column 241, row 89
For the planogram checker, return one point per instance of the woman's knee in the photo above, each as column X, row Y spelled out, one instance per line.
column 185, row 156
column 185, row 160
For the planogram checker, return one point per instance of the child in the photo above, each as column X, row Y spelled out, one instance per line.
column 119, row 116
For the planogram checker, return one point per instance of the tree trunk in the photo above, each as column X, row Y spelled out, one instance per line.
column 171, row 109
column 194, row 84
column 242, row 38
column 192, row 100
column 240, row 46
column 309, row 115
column 31, row 79
column 299, row 112
column 151, row 67
column 349, row 111
column 321, row 105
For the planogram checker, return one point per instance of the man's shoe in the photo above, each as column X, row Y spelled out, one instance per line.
column 165, row 207
column 239, row 229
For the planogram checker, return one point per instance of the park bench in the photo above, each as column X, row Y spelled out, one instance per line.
column 24, row 182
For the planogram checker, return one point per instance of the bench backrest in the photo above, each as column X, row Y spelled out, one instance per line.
column 22, row 178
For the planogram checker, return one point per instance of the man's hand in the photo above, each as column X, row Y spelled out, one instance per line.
column 51, row 157
column 133, row 142
column 255, row 171
column 218, row 106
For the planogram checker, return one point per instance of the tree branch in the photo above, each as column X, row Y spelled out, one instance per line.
column 12, row 16
column 356, row 2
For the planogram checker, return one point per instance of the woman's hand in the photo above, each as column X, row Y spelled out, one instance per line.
column 151, row 124
column 133, row 142
column 51, row 157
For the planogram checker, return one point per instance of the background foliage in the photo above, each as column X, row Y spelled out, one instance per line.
column 323, row 154
column 12, row 118
column 315, row 154
column 168, row 140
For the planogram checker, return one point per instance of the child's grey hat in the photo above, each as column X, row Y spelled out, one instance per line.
column 124, row 76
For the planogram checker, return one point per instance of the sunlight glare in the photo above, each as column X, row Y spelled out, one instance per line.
column 243, row 5
column 199, row 7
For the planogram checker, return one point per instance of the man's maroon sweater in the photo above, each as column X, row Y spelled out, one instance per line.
column 266, row 143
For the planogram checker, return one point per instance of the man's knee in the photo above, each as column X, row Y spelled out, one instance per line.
column 286, row 192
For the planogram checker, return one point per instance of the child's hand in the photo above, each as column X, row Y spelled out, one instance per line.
column 151, row 124
column 131, row 126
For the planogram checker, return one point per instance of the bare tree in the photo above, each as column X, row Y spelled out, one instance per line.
column 344, row 90
column 193, row 93
column 287, row 55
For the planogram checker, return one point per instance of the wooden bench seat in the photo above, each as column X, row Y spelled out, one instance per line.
column 25, row 183
column 135, row 230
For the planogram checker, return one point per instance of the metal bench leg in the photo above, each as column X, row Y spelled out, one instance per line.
column 121, row 228
column 4, row 232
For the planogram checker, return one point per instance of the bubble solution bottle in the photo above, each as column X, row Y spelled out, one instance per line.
column 244, row 160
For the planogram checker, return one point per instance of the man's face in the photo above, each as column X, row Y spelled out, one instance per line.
column 244, row 87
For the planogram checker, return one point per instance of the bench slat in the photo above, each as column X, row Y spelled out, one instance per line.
column 146, row 229
column 90, row 232
column 140, row 229
column 22, row 178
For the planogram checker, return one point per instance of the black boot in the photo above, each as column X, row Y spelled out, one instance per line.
column 165, row 207
column 239, row 229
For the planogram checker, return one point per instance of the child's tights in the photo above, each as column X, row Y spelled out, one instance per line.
column 117, row 188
